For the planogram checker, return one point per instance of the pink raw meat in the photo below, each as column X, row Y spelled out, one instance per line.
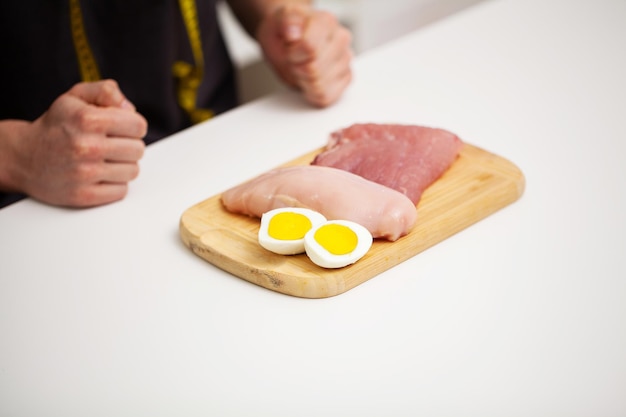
column 335, row 193
column 406, row 158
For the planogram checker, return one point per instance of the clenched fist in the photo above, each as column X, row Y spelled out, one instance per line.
column 309, row 50
column 82, row 152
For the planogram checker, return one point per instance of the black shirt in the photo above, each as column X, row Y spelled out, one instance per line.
column 134, row 42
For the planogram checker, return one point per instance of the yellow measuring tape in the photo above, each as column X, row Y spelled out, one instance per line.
column 86, row 62
column 189, row 76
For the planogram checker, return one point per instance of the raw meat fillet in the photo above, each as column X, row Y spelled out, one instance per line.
column 403, row 157
column 335, row 193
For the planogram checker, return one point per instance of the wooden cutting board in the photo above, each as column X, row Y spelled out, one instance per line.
column 476, row 185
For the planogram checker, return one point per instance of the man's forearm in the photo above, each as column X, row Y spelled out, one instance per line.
column 10, row 133
column 250, row 12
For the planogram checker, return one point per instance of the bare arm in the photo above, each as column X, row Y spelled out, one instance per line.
column 251, row 12
column 10, row 132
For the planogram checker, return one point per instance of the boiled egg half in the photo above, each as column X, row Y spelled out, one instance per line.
column 337, row 243
column 282, row 230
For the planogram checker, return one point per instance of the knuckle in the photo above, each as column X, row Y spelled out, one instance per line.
column 305, row 52
column 309, row 71
column 109, row 85
column 108, row 90
column 318, row 96
column 88, row 119
column 84, row 174
column 329, row 18
column 345, row 36
column 323, row 100
column 75, row 88
column 86, row 149
column 81, row 197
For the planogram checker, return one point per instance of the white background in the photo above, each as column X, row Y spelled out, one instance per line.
column 104, row 312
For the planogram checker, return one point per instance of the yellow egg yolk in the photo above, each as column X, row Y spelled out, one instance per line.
column 336, row 238
column 288, row 226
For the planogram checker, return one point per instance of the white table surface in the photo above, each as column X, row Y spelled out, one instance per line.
column 104, row 312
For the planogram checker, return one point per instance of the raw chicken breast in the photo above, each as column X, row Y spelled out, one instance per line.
column 403, row 157
column 335, row 193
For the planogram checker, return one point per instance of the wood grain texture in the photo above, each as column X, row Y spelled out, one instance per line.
column 476, row 185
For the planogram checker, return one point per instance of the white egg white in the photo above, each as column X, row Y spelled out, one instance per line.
column 286, row 247
column 322, row 257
